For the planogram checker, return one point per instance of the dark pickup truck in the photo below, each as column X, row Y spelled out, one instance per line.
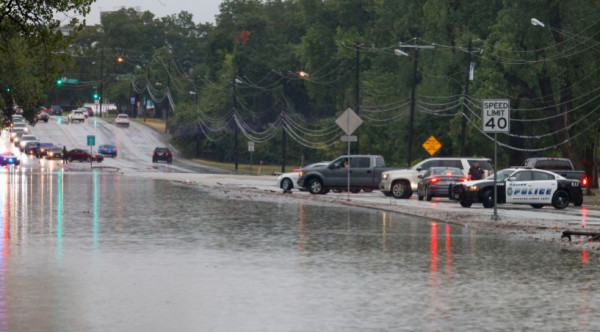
column 561, row 166
column 365, row 173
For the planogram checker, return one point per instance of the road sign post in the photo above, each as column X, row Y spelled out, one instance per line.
column 91, row 141
column 349, row 121
column 250, row 149
column 496, row 119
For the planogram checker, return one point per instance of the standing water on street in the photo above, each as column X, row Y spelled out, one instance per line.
column 101, row 251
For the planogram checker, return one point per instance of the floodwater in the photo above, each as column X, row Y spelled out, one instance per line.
column 106, row 252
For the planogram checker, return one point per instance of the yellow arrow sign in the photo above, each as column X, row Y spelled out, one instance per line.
column 432, row 145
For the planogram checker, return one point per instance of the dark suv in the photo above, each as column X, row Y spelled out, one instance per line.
column 162, row 154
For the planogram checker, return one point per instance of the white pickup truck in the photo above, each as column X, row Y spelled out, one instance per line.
column 401, row 183
column 76, row 115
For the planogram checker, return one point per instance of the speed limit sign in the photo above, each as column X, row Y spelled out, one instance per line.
column 496, row 116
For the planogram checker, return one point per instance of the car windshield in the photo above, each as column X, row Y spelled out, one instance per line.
column 503, row 174
column 122, row 116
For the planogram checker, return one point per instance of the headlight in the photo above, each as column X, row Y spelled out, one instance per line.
column 473, row 188
column 384, row 176
column 300, row 174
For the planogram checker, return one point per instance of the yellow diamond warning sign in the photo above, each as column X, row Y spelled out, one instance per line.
column 432, row 145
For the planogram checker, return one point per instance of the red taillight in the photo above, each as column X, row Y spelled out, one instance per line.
column 166, row 154
column 463, row 180
column 154, row 153
column 434, row 180
column 296, row 171
column 448, row 174
column 584, row 181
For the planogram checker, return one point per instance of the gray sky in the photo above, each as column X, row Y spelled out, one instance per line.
column 202, row 10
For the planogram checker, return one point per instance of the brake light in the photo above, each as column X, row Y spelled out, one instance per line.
column 296, row 171
column 166, row 154
column 584, row 181
column 434, row 180
column 154, row 153
column 463, row 180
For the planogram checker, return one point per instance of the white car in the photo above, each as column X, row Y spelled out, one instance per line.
column 287, row 181
column 122, row 120
column 76, row 115
column 26, row 139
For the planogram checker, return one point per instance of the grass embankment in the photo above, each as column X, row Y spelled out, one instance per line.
column 159, row 126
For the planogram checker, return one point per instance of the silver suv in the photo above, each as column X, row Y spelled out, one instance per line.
column 402, row 183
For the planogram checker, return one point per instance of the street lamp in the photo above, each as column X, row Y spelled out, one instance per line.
column 537, row 22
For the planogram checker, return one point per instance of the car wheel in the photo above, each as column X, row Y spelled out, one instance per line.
column 88, row 159
column 337, row 190
column 560, row 200
column 465, row 204
column 537, row 206
column 578, row 201
column 419, row 197
column 286, row 184
column 325, row 191
column 315, row 186
column 153, row 160
column 355, row 190
column 487, row 199
column 368, row 190
column 427, row 194
column 69, row 159
column 400, row 189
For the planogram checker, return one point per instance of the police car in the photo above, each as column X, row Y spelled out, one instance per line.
column 535, row 187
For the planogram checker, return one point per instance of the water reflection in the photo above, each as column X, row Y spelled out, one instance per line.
column 176, row 258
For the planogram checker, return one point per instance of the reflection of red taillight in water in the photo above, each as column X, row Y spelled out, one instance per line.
column 434, row 180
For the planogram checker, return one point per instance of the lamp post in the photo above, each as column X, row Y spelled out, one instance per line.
column 411, row 118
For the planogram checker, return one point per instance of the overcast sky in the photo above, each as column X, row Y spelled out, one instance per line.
column 202, row 10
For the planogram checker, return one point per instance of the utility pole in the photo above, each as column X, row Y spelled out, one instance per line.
column 168, row 92
column 463, row 127
column 101, row 79
column 235, row 130
column 357, row 85
column 413, row 95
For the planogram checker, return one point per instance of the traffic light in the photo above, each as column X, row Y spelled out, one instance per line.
column 59, row 82
column 8, row 89
column 95, row 95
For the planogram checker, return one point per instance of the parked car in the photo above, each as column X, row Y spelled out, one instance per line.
column 54, row 152
column 161, row 153
column 38, row 150
column 9, row 159
column 108, row 149
column 42, row 115
column 76, row 116
column 437, row 181
column 90, row 111
column 122, row 120
column 16, row 134
column 287, row 181
column 26, row 139
column 56, row 110
column 402, row 183
column 82, row 155
column 365, row 171
column 535, row 187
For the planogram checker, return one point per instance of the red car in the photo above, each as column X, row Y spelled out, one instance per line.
column 83, row 155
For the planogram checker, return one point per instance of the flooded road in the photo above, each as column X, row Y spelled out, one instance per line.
column 99, row 251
